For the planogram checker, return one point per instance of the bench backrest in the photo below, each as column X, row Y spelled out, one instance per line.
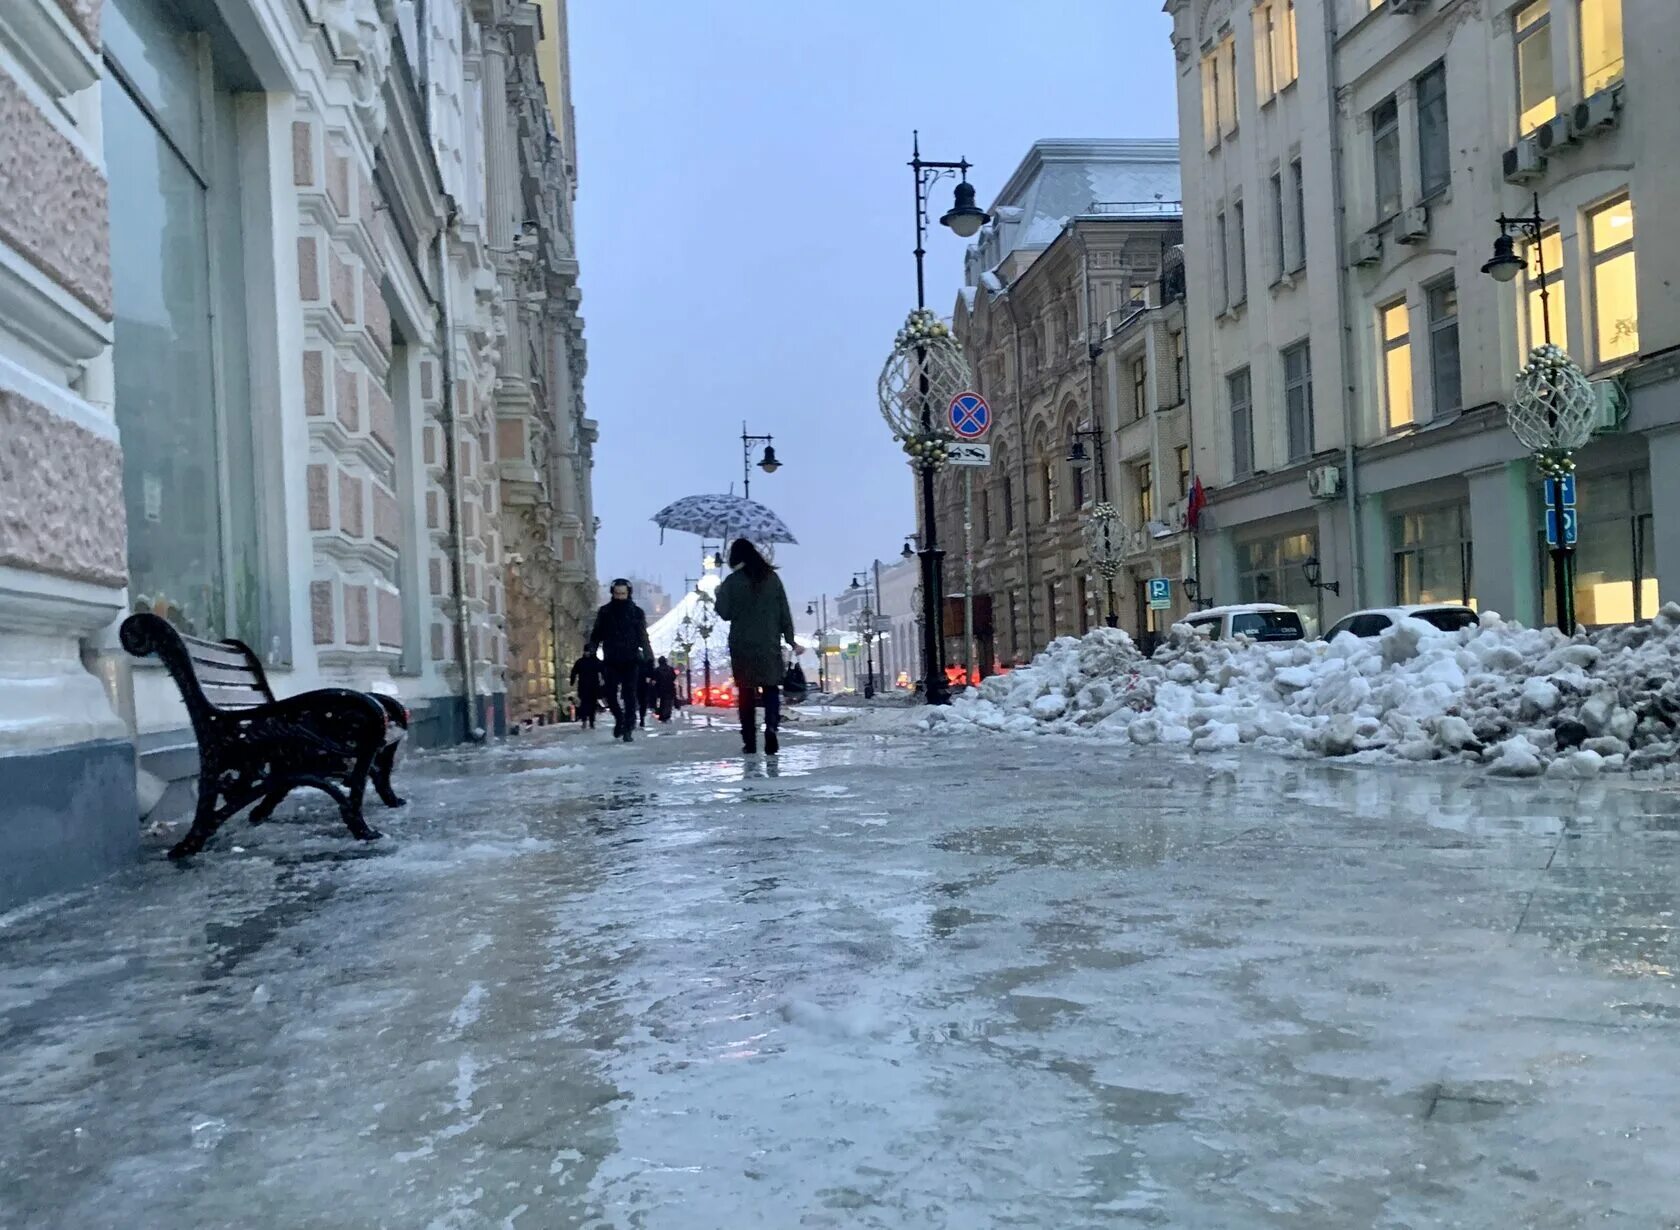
column 215, row 678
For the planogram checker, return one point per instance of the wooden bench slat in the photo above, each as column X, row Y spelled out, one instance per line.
column 225, row 675
column 227, row 659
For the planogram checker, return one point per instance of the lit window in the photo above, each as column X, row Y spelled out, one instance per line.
column 1183, row 470
column 1140, row 385
column 1601, row 44
column 1146, row 494
column 1536, row 93
column 1546, row 315
column 1210, row 99
column 1287, row 49
column 1226, row 80
column 1385, row 153
column 1397, row 364
column 1615, row 295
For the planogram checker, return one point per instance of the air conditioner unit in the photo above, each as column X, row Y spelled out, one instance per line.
column 1600, row 113
column 1557, row 133
column 1407, row 6
column 1365, row 250
column 1324, row 482
column 1412, row 226
column 1524, row 162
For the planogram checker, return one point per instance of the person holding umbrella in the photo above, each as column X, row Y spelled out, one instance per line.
column 753, row 602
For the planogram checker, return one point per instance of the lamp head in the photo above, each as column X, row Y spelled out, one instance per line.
column 965, row 217
column 907, row 553
column 1506, row 264
column 769, row 464
column 1310, row 566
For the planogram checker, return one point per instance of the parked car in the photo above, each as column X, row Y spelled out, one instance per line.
column 1264, row 621
column 1444, row 616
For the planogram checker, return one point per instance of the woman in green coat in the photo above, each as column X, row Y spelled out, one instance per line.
column 755, row 605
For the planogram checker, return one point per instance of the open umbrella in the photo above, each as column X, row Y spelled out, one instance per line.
column 723, row 517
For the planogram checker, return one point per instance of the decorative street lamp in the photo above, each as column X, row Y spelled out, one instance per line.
column 925, row 371
column 864, row 624
column 1078, row 456
column 1552, row 411
column 1105, row 536
column 768, row 463
column 1314, row 571
column 811, row 608
column 704, row 627
column 1192, row 591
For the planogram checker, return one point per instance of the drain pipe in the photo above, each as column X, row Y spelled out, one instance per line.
column 1350, row 418
column 457, row 518
column 1026, row 502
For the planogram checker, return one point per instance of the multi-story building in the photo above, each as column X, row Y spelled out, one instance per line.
column 1346, row 163
column 290, row 354
column 1078, row 242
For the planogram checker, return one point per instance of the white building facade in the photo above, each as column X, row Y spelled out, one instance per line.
column 1345, row 165
column 294, row 353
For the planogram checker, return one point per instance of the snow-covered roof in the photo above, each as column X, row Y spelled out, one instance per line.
column 1240, row 608
column 1062, row 179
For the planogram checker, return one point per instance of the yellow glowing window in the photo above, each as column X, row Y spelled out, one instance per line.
column 1536, row 90
column 1601, row 44
column 1614, row 282
column 1397, row 364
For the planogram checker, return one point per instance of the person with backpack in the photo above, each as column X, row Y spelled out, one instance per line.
column 755, row 605
column 622, row 633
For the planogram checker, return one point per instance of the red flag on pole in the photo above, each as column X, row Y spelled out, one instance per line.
column 1198, row 501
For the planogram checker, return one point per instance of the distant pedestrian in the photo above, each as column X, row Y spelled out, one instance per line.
column 621, row 632
column 644, row 694
column 754, row 603
column 795, row 687
column 587, row 678
column 665, row 688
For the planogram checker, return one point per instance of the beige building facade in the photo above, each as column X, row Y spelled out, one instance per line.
column 1345, row 166
column 1063, row 297
column 291, row 354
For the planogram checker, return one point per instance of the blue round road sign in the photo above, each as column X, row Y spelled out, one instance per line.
column 971, row 417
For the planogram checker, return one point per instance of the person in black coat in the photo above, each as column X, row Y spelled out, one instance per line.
column 644, row 694
column 665, row 688
column 621, row 632
column 587, row 679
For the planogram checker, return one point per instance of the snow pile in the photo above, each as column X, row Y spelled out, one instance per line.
column 1522, row 701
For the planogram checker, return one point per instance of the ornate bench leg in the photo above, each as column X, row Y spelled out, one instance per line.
column 205, row 820
column 262, row 811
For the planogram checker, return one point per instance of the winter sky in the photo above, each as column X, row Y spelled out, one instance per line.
column 745, row 232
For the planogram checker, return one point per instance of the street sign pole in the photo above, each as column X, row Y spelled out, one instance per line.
column 971, row 418
column 1561, row 534
column 968, row 577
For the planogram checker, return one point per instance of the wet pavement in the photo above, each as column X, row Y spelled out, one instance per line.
column 887, row 982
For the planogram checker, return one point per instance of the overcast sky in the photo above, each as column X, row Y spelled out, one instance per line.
column 745, row 228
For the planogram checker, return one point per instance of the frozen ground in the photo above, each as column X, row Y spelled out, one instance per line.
column 897, row 982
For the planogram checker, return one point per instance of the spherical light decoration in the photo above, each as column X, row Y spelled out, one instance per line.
column 924, row 351
column 1554, row 406
column 1105, row 535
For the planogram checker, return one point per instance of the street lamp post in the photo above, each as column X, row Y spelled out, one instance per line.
column 811, row 608
column 1078, row 456
column 704, row 627
column 1552, row 408
column 865, row 626
column 768, row 463
column 964, row 218
column 685, row 642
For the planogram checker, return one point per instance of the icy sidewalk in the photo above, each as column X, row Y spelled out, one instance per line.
column 891, row 981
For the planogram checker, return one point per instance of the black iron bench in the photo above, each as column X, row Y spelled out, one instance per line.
column 253, row 747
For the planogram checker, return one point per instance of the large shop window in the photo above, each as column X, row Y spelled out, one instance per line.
column 188, row 471
column 1432, row 557
column 1614, row 281
column 1615, row 564
column 1270, row 570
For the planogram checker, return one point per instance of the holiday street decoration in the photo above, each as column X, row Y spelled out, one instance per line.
column 1104, row 535
column 1553, row 409
column 924, row 372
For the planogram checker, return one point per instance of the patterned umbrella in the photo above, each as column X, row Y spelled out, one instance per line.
column 724, row 517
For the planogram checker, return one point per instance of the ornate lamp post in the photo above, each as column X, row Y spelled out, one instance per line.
column 926, row 369
column 768, row 463
column 1105, row 535
column 811, row 608
column 864, row 626
column 1551, row 412
column 704, row 626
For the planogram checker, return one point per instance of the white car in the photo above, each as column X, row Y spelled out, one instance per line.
column 1264, row 621
column 1443, row 616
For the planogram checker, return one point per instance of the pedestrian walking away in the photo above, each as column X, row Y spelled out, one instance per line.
column 622, row 633
column 755, row 605
column 665, row 688
column 644, row 693
column 587, row 678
